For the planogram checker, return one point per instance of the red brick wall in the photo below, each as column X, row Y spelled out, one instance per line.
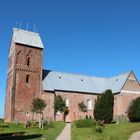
column 75, row 98
column 49, row 99
column 9, row 83
column 23, row 92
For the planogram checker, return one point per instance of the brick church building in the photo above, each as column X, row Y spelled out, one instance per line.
column 26, row 80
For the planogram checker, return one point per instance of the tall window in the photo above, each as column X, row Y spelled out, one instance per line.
column 89, row 104
column 27, row 78
column 28, row 61
column 67, row 102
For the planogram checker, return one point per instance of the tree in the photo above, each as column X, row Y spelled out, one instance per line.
column 59, row 104
column 37, row 107
column 134, row 110
column 82, row 107
column 103, row 110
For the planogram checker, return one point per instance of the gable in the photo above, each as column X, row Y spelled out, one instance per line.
column 131, row 84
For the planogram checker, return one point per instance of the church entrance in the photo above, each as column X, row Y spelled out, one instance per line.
column 67, row 117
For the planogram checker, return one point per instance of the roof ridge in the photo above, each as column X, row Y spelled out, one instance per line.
column 128, row 72
column 23, row 30
column 78, row 74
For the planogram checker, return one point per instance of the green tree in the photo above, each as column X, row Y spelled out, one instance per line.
column 82, row 107
column 104, row 105
column 37, row 107
column 134, row 110
column 59, row 104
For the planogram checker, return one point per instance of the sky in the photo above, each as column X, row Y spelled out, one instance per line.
column 92, row 37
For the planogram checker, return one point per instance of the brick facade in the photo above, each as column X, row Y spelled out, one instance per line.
column 24, row 79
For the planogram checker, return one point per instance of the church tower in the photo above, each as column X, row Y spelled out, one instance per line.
column 24, row 75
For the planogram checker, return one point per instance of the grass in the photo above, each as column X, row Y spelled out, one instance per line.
column 111, row 132
column 31, row 133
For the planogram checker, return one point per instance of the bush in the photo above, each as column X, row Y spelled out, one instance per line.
column 84, row 123
column 134, row 110
column 103, row 109
column 99, row 128
column 4, row 126
column 1, row 120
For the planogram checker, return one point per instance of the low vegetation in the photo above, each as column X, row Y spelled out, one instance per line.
column 114, row 131
column 134, row 110
column 85, row 123
column 18, row 132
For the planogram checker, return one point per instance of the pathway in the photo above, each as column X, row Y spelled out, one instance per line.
column 66, row 133
column 135, row 136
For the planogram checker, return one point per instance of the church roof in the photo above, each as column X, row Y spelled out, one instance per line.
column 27, row 38
column 81, row 83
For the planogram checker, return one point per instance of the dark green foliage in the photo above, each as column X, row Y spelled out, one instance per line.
column 1, row 120
column 59, row 104
column 103, row 109
column 38, row 105
column 99, row 128
column 84, row 123
column 4, row 126
column 82, row 107
column 134, row 110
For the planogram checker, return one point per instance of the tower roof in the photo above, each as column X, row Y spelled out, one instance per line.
column 27, row 38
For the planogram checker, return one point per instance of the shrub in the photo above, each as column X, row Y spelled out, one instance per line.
column 1, row 120
column 84, row 123
column 99, row 128
column 4, row 126
column 104, row 107
column 134, row 110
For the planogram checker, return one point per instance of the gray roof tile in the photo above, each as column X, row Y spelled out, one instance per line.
column 81, row 83
column 27, row 38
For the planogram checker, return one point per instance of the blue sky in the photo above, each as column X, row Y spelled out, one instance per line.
column 92, row 37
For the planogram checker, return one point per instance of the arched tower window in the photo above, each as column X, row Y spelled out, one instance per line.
column 67, row 102
column 89, row 104
column 27, row 78
column 28, row 58
column 19, row 58
column 28, row 61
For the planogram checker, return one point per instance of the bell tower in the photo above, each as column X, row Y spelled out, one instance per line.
column 24, row 74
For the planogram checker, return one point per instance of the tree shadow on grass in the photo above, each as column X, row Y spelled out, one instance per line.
column 18, row 136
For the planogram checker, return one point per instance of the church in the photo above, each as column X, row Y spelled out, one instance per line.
column 26, row 79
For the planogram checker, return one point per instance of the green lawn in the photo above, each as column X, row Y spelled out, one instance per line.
column 110, row 132
column 32, row 133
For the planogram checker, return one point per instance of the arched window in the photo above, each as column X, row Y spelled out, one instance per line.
column 27, row 78
column 67, row 102
column 19, row 58
column 28, row 61
column 89, row 104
